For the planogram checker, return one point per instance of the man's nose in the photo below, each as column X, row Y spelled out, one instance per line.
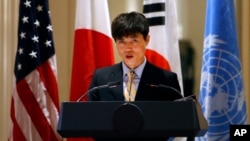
column 129, row 45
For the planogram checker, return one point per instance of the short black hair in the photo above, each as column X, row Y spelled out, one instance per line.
column 126, row 24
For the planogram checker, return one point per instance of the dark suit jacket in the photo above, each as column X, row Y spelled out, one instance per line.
column 150, row 75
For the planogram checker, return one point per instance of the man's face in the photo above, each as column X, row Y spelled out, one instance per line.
column 132, row 49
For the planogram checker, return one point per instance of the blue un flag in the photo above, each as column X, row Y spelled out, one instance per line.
column 222, row 95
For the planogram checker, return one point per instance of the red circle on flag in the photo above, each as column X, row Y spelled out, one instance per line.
column 157, row 59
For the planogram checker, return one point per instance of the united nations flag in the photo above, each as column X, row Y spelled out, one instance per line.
column 222, row 95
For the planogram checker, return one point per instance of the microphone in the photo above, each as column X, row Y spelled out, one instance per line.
column 191, row 97
column 165, row 86
column 109, row 85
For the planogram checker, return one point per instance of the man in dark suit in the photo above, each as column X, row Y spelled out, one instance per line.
column 130, row 32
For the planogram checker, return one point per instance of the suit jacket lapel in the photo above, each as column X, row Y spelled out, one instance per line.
column 117, row 75
column 147, row 75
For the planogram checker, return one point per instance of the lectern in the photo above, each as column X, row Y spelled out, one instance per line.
column 131, row 119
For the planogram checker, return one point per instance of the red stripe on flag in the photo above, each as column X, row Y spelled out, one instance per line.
column 16, row 129
column 50, row 82
column 35, row 112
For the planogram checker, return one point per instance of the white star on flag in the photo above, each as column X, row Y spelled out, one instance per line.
column 33, row 54
column 35, row 39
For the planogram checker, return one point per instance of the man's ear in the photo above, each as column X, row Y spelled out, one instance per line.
column 147, row 39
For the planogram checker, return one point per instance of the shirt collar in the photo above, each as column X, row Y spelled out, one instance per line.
column 138, row 70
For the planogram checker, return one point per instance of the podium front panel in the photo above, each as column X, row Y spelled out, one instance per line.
column 155, row 119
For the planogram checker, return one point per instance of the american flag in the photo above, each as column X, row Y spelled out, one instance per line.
column 35, row 102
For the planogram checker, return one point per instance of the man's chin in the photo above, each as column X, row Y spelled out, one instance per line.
column 131, row 66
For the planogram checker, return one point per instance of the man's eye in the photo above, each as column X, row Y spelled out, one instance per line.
column 134, row 41
column 120, row 42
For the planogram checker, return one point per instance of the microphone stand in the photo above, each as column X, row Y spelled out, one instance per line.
column 100, row 87
column 109, row 85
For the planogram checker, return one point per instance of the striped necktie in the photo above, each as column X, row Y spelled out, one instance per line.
column 130, row 91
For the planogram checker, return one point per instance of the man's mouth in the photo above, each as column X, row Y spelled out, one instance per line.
column 129, row 56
